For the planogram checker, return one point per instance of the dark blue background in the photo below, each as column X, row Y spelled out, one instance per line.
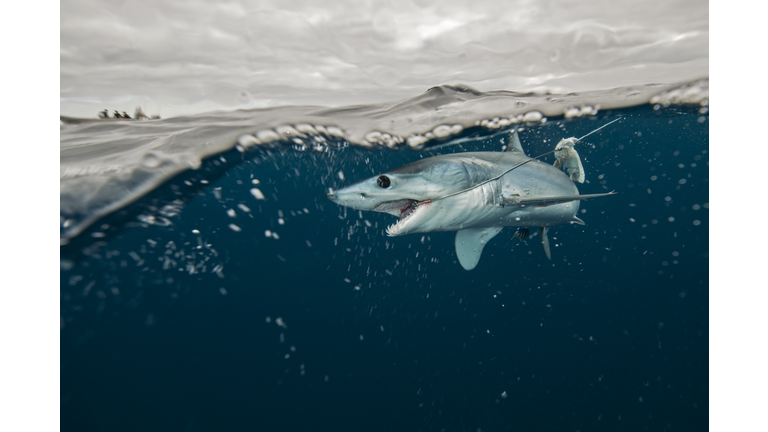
column 612, row 334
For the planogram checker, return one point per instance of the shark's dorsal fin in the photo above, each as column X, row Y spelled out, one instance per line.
column 514, row 143
column 545, row 241
column 470, row 244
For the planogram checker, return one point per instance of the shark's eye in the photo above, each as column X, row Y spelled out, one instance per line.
column 383, row 181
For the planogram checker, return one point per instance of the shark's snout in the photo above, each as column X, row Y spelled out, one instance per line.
column 334, row 198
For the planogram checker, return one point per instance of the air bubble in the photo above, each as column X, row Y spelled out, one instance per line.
column 306, row 128
column 288, row 131
column 373, row 137
column 442, row 131
column 257, row 194
column 533, row 116
column 267, row 135
column 416, row 141
column 248, row 141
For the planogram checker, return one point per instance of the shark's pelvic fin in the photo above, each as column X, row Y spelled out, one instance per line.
column 577, row 221
column 514, row 143
column 546, row 201
column 470, row 244
column 545, row 241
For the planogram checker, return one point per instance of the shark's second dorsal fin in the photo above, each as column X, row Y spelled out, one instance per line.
column 545, row 241
column 514, row 143
column 470, row 244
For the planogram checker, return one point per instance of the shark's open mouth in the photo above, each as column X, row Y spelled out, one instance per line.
column 403, row 208
column 408, row 209
column 395, row 208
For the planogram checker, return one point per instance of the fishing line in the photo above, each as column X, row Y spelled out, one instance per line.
column 614, row 121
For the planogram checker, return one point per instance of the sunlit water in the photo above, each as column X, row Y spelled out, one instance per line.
column 235, row 296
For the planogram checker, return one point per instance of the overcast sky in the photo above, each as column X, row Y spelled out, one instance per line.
column 181, row 57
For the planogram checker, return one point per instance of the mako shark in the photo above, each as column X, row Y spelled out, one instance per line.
column 476, row 194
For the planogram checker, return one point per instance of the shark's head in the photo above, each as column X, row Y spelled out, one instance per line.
column 406, row 192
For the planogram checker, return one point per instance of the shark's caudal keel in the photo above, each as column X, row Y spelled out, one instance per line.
column 475, row 194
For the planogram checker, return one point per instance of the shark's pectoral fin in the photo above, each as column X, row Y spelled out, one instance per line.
column 576, row 220
column 545, row 241
column 470, row 244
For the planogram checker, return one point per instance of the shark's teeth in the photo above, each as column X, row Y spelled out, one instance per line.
column 394, row 229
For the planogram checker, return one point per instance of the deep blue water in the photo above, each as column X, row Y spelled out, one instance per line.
column 334, row 326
